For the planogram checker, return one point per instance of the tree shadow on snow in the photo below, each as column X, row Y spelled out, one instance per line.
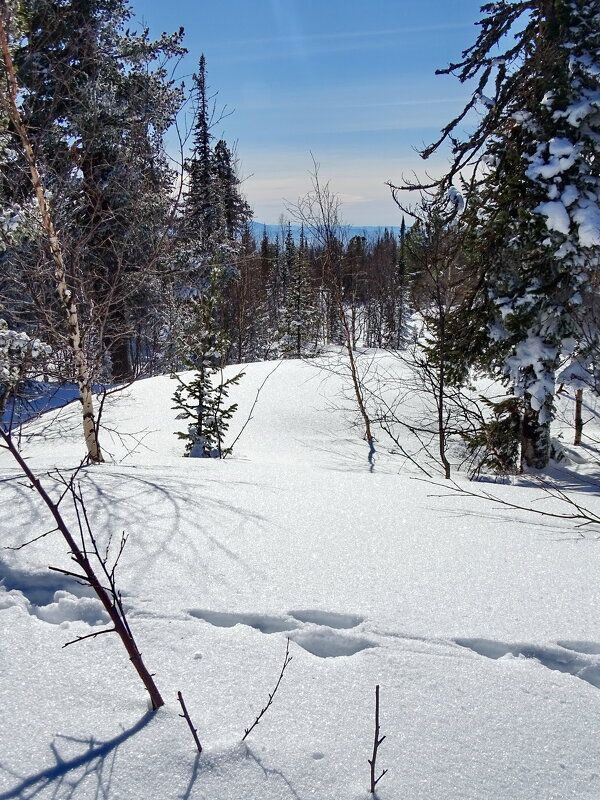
column 67, row 775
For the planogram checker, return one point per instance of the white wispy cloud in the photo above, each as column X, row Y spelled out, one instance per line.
column 342, row 36
column 357, row 178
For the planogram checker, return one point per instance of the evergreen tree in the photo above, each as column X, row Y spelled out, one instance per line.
column 298, row 320
column 236, row 210
column 214, row 218
column 97, row 105
column 534, row 208
column 205, row 215
column 204, row 399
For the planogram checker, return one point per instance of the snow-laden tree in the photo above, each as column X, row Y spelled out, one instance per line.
column 533, row 204
column 20, row 356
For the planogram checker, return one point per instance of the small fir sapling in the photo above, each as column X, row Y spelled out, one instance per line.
column 203, row 400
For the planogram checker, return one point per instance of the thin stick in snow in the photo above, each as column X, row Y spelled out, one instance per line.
column 376, row 742
column 187, row 718
column 258, row 391
column 286, row 661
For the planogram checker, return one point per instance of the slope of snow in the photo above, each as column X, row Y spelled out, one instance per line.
column 479, row 623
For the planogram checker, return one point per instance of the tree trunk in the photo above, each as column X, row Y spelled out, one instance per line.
column 535, row 438
column 64, row 292
column 578, row 416
column 119, row 350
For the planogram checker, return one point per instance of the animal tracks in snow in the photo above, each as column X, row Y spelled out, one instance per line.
column 315, row 631
column 328, row 644
column 327, row 634
column 328, row 618
column 570, row 657
column 259, row 622
column 50, row 598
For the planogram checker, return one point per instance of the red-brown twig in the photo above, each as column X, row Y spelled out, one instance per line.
column 187, row 718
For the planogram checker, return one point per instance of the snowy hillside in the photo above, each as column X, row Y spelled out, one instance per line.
column 479, row 623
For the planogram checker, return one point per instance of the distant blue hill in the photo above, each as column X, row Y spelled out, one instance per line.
column 371, row 232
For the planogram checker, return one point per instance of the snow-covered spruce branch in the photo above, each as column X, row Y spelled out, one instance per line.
column 82, row 553
column 20, row 355
column 263, row 711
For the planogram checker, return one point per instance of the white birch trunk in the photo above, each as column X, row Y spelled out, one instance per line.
column 9, row 98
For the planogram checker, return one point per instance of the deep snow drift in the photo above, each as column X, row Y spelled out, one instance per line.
column 480, row 623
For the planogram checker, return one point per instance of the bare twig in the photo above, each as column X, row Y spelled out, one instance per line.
column 110, row 598
column 186, row 717
column 286, row 661
column 31, row 541
column 578, row 512
column 376, row 742
column 89, row 636
column 249, row 417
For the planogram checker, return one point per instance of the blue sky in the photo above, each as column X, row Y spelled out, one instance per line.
column 352, row 82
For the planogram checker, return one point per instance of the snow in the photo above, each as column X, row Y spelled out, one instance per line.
column 557, row 217
column 587, row 217
column 562, row 156
column 479, row 623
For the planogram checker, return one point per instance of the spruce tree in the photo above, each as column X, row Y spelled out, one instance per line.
column 204, row 399
column 215, row 214
column 298, row 315
column 97, row 105
column 533, row 205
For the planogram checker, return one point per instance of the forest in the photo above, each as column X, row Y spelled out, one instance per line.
column 128, row 260
column 380, row 445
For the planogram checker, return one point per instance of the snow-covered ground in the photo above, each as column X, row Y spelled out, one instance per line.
column 479, row 623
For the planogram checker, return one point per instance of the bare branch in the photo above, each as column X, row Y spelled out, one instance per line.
column 286, row 661
column 187, row 718
column 90, row 636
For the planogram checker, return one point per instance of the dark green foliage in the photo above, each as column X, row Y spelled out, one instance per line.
column 495, row 445
column 298, row 312
column 532, row 205
column 96, row 101
column 203, row 400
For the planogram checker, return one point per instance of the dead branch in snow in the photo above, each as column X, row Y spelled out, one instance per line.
column 376, row 742
column 575, row 511
column 89, row 558
column 263, row 711
column 187, row 718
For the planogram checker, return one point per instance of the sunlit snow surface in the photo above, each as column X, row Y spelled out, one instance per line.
column 480, row 624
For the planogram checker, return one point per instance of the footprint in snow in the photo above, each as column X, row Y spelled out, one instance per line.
column 312, row 630
column 570, row 657
column 328, row 644
column 259, row 622
column 50, row 597
column 328, row 618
